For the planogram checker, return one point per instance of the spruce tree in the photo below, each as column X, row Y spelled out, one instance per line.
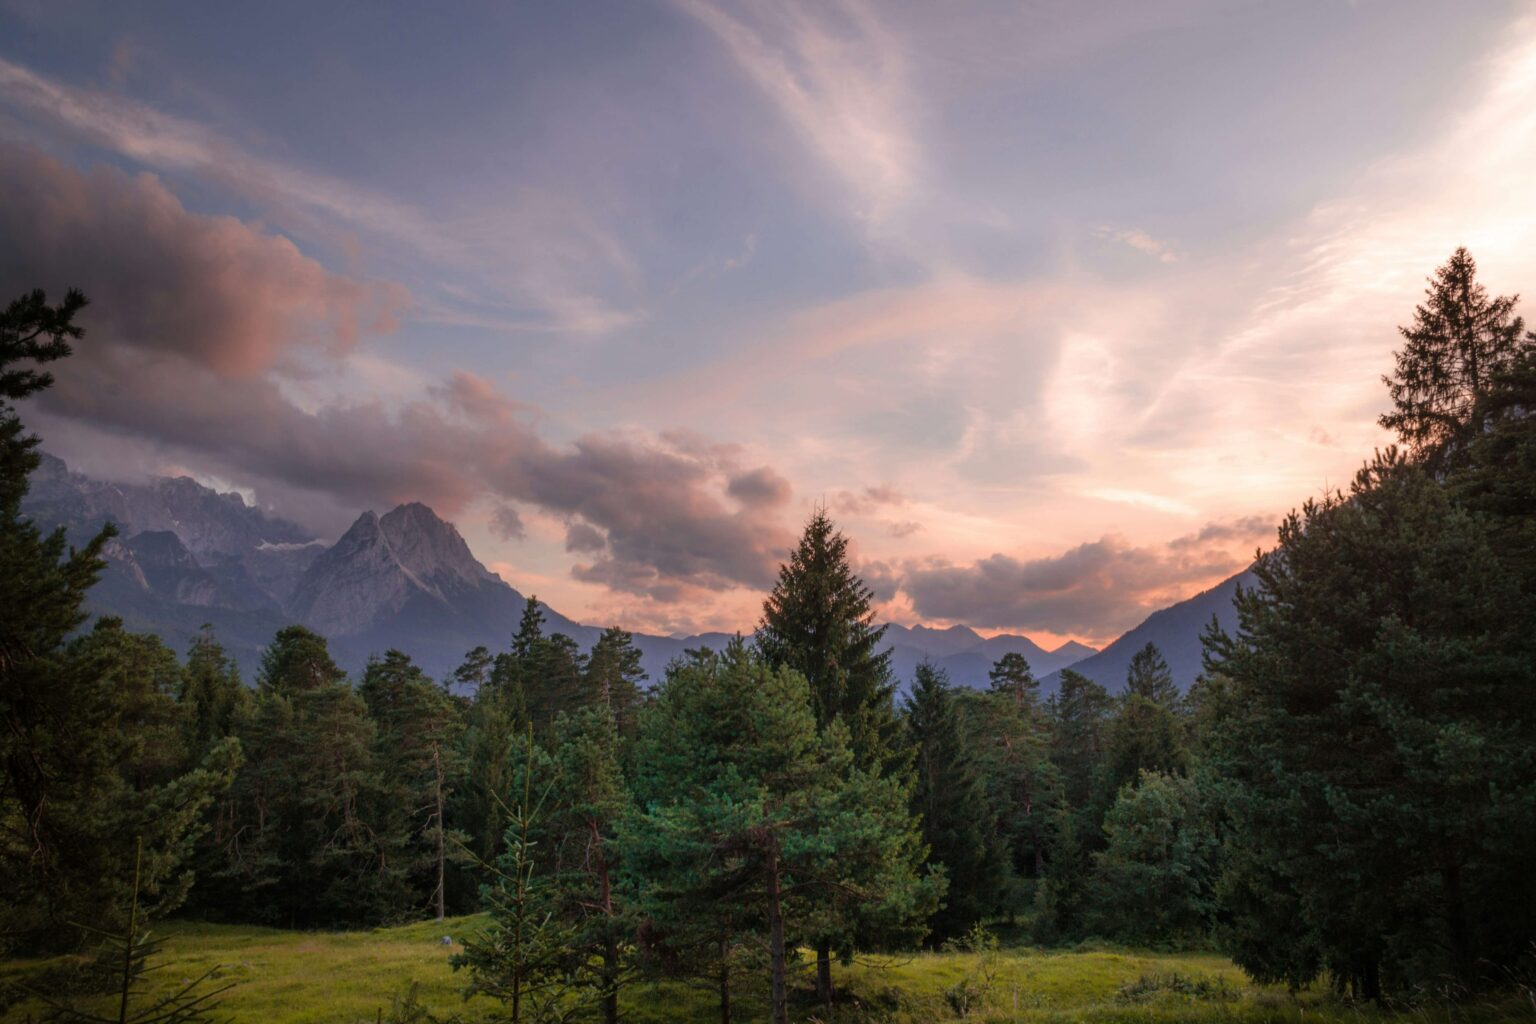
column 417, row 727
column 614, row 677
column 950, row 800
column 1149, row 677
column 1460, row 340
column 1376, row 753
column 818, row 621
column 589, row 799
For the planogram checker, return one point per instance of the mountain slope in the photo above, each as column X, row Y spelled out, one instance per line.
column 1176, row 632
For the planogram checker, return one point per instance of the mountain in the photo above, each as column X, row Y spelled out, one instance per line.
column 966, row 657
column 1176, row 632
column 187, row 555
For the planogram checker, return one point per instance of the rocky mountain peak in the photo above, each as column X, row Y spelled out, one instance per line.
column 430, row 548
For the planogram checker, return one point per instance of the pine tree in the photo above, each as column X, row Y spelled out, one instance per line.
column 950, row 800
column 742, row 803
column 525, row 958
column 1010, row 744
column 1143, row 736
column 1155, row 879
column 211, row 695
column 303, row 850
column 1078, row 712
column 1460, row 340
column 819, row 621
column 1011, row 675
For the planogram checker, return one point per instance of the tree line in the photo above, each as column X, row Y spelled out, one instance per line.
column 1347, row 794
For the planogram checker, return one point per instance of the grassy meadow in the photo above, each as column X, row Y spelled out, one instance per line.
column 282, row 977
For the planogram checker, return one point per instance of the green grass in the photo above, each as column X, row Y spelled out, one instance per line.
column 348, row 977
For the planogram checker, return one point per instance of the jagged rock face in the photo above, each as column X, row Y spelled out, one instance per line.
column 355, row 582
column 431, row 550
column 381, row 565
column 277, row 568
column 211, row 525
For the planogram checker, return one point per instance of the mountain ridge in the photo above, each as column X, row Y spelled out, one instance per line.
column 189, row 555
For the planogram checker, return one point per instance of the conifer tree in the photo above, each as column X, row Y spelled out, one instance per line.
column 1376, row 752
column 81, row 778
column 589, row 799
column 1461, row 339
column 211, row 695
column 1011, row 675
column 417, row 731
column 614, row 677
column 742, row 802
column 1149, row 676
column 526, row 957
column 1078, row 712
column 818, row 621
column 950, row 800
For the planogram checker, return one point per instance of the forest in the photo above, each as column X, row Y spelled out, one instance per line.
column 1345, row 802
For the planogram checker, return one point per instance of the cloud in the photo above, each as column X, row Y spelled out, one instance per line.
column 761, row 487
column 220, row 293
column 1098, row 589
column 203, row 338
column 581, row 537
column 838, row 77
column 535, row 259
column 869, row 500
column 507, row 523
column 1141, row 242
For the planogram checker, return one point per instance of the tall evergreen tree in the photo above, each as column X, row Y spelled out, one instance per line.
column 950, row 799
column 589, row 799
column 614, row 677
column 90, row 744
column 818, row 620
column 211, row 695
column 742, row 799
column 1460, row 340
column 1378, row 752
column 302, row 850
column 417, row 731
column 1149, row 676
column 1078, row 713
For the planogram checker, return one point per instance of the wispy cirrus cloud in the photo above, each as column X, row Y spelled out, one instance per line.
column 838, row 76
column 535, row 260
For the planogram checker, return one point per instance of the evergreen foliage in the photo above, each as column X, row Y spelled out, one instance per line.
column 949, row 797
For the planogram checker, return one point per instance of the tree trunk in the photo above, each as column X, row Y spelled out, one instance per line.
column 725, row 983
column 610, row 945
column 1456, row 920
column 778, row 1001
column 824, row 972
column 442, row 901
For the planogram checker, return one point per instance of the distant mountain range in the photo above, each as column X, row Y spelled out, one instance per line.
column 1176, row 631
column 187, row 555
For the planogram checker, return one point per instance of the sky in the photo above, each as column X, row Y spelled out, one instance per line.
column 1056, row 308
